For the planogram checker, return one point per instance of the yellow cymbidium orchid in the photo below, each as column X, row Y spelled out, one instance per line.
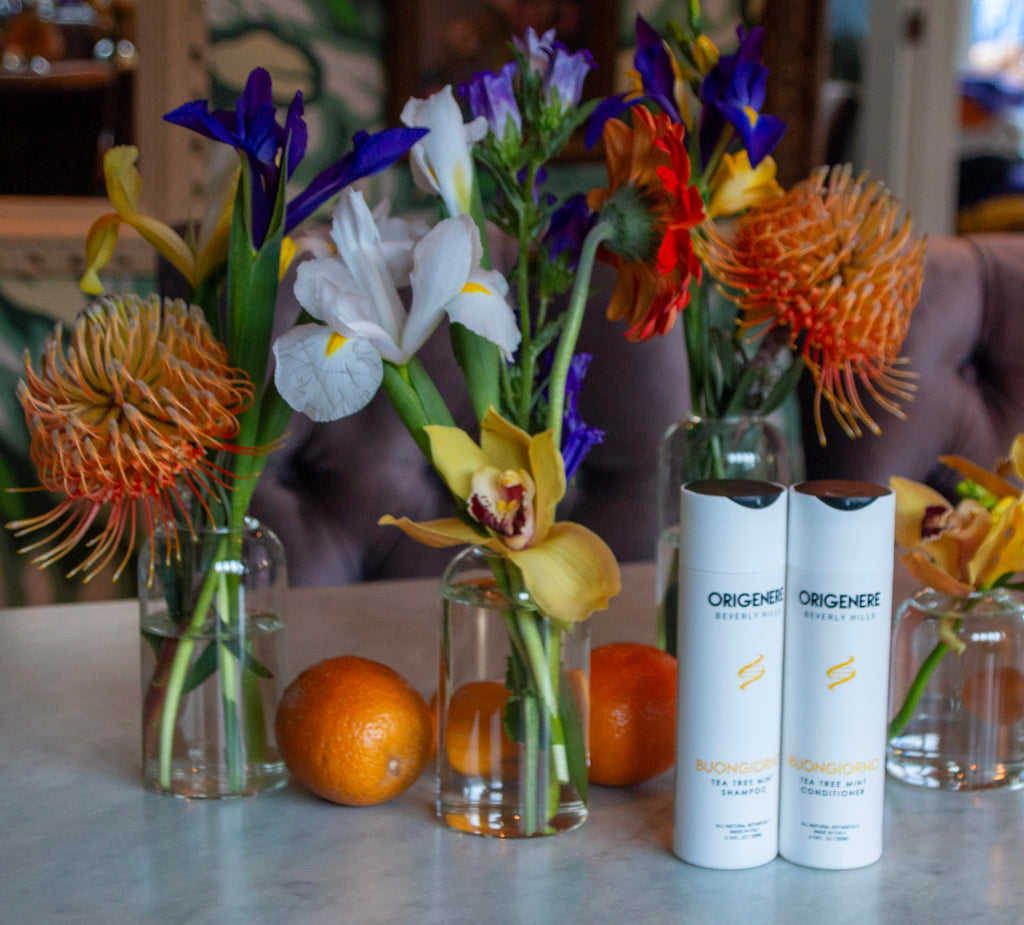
column 737, row 186
column 124, row 188
column 969, row 547
column 569, row 570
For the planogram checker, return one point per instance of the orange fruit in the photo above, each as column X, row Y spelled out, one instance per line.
column 353, row 731
column 632, row 713
column 474, row 736
column 996, row 695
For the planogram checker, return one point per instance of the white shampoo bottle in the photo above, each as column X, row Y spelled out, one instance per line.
column 732, row 568
column 835, row 689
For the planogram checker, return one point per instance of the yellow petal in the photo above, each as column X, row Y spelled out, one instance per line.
column 448, row 531
column 549, row 478
column 123, row 189
column 571, row 574
column 991, row 482
column 912, row 500
column 505, row 445
column 1017, row 456
column 736, row 186
column 1002, row 553
column 100, row 242
column 456, row 457
column 287, row 256
column 212, row 247
column 124, row 185
column 215, row 254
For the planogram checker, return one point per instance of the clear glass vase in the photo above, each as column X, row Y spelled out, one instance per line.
column 213, row 661
column 956, row 691
column 512, row 719
column 706, row 448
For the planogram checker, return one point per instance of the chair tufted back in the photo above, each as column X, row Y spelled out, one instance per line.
column 325, row 488
column 329, row 483
column 966, row 345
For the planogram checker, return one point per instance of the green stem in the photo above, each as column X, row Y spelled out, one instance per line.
column 179, row 669
column 228, row 621
column 541, row 657
column 573, row 321
column 920, row 682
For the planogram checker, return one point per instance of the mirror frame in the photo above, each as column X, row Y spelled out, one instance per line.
column 42, row 236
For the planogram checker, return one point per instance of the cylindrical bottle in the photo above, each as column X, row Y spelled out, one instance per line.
column 732, row 569
column 838, row 613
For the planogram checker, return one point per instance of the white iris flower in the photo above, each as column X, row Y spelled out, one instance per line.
column 333, row 369
column 442, row 161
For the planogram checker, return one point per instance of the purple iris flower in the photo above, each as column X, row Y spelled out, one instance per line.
column 253, row 130
column 732, row 93
column 654, row 65
column 564, row 76
column 742, row 107
column 577, row 437
column 569, row 226
column 492, row 96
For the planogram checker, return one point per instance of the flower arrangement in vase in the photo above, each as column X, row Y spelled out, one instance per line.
column 158, row 416
column 957, row 673
column 823, row 277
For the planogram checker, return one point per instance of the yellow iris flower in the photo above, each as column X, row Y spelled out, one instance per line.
column 569, row 571
column 124, row 188
column 737, row 186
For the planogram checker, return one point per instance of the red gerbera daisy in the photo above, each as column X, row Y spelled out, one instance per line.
column 654, row 206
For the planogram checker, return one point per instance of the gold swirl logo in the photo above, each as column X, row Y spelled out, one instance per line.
column 841, row 673
column 752, row 672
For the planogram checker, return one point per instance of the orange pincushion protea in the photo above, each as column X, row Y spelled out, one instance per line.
column 653, row 281
column 132, row 405
column 830, row 261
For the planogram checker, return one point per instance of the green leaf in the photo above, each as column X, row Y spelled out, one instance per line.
column 738, row 400
column 207, row 664
column 784, row 387
column 407, row 405
column 201, row 669
column 433, row 404
column 479, row 361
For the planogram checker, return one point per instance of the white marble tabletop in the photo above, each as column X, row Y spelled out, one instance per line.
column 82, row 842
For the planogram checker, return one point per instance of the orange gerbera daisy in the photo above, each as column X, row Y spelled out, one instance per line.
column 654, row 207
column 139, row 396
column 831, row 261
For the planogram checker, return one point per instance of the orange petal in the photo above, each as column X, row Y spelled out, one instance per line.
column 991, row 482
column 931, row 576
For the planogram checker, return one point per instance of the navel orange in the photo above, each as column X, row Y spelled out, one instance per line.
column 353, row 731
column 474, row 738
column 632, row 713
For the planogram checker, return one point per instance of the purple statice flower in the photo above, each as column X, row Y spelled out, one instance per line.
column 732, row 93
column 536, row 48
column 569, row 226
column 252, row 129
column 563, row 79
column 492, row 96
column 562, row 72
column 577, row 437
